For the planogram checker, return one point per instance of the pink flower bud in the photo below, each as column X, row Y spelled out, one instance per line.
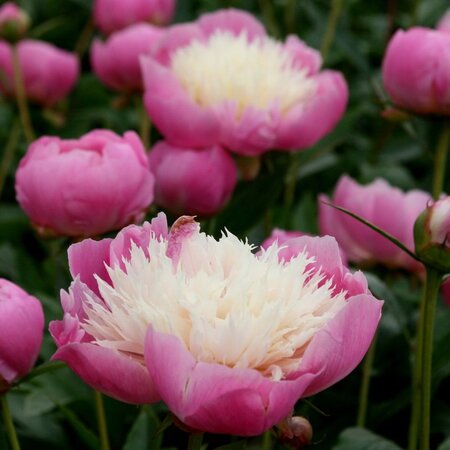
column 295, row 432
column 189, row 181
column 14, row 22
column 116, row 61
column 386, row 207
column 113, row 15
column 85, row 187
column 432, row 232
column 21, row 332
column 49, row 73
column 416, row 73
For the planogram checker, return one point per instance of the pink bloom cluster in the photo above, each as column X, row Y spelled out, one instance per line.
column 21, row 332
column 386, row 207
column 114, row 15
column 49, row 73
column 153, row 365
column 85, row 187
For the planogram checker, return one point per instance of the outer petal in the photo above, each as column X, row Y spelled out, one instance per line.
column 182, row 122
column 340, row 346
column 233, row 20
column 108, row 371
column 304, row 57
column 304, row 125
column 216, row 398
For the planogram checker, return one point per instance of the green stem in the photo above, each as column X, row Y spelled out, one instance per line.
column 290, row 16
column 333, row 18
column 268, row 14
column 9, row 424
column 195, row 441
column 8, row 154
column 101, row 419
column 290, row 185
column 145, row 126
column 84, row 39
column 433, row 283
column 47, row 367
column 440, row 160
column 267, row 440
column 21, row 97
column 365, row 385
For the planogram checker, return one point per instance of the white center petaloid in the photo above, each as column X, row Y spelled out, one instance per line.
column 258, row 73
column 226, row 304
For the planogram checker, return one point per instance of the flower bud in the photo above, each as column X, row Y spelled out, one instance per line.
column 14, row 22
column 431, row 232
column 295, row 432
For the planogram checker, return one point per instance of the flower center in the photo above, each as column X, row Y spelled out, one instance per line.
column 258, row 74
column 226, row 304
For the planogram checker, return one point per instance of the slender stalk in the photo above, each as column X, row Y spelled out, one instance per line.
column 267, row 440
column 333, row 18
column 47, row 367
column 101, row 419
column 145, row 126
column 9, row 424
column 195, row 441
column 433, row 283
column 440, row 160
column 290, row 185
column 365, row 384
column 268, row 14
column 21, row 98
column 8, row 153
column 84, row 39
column 290, row 16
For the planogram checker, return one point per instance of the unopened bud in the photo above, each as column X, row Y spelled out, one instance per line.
column 295, row 432
column 14, row 22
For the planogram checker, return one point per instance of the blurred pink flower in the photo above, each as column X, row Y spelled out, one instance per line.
column 85, row 187
column 221, row 329
column 416, row 70
column 118, row 371
column 49, row 73
column 190, row 181
column 259, row 95
column 14, row 22
column 385, row 206
column 444, row 22
column 116, row 61
column 113, row 15
column 21, row 332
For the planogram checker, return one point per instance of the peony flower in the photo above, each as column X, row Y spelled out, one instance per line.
column 21, row 332
column 231, row 340
column 113, row 15
column 385, row 206
column 85, row 187
column 431, row 234
column 416, row 71
column 49, row 73
column 222, row 80
column 116, row 61
column 444, row 22
column 14, row 22
column 192, row 181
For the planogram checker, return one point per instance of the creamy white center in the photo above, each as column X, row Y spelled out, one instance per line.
column 257, row 74
column 227, row 305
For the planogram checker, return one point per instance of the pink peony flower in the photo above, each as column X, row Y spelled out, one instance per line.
column 416, row 70
column 444, row 22
column 14, row 22
column 21, row 332
column 259, row 95
column 113, row 15
column 49, row 73
column 192, row 181
column 221, row 329
column 385, row 206
column 116, row 61
column 85, row 187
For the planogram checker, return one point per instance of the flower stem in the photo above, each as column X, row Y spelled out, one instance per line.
column 8, row 154
column 365, row 385
column 420, row 420
column 195, row 441
column 290, row 16
column 101, row 419
column 145, row 126
column 440, row 160
column 9, row 424
column 21, row 98
column 84, row 39
column 290, row 185
column 267, row 440
column 268, row 14
column 333, row 18
column 47, row 367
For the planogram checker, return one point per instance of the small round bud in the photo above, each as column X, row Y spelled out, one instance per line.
column 295, row 432
column 14, row 22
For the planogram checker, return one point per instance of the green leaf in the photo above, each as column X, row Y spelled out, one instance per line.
column 361, row 439
column 445, row 445
column 143, row 434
